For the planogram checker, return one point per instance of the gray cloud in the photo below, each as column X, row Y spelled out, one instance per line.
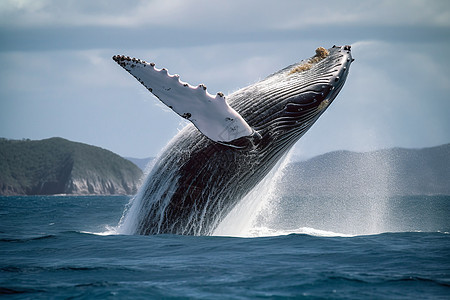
column 212, row 15
column 58, row 79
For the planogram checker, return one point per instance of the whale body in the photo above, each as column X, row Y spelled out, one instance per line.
column 232, row 143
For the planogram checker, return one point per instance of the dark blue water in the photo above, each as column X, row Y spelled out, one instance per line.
column 46, row 252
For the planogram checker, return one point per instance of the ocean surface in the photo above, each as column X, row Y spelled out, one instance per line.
column 306, row 247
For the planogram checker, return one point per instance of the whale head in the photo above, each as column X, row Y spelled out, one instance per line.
column 282, row 107
column 318, row 80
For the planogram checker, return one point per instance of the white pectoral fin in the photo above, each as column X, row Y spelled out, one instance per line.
column 210, row 114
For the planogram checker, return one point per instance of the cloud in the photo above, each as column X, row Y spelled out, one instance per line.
column 219, row 15
column 370, row 13
column 47, row 25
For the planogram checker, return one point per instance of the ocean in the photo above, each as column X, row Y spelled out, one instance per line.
column 67, row 247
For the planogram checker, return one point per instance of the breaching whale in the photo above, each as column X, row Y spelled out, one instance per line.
column 233, row 141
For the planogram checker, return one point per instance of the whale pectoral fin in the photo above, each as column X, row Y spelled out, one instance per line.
column 210, row 114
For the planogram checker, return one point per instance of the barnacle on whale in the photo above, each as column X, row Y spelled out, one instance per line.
column 321, row 53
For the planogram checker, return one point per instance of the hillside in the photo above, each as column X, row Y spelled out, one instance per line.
column 394, row 171
column 58, row 166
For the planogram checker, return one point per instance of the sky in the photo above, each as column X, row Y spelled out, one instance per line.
column 57, row 77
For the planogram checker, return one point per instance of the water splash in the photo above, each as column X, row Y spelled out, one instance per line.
column 109, row 230
column 246, row 216
column 129, row 220
column 359, row 207
column 243, row 221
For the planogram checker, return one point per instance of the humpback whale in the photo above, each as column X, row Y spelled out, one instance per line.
column 232, row 142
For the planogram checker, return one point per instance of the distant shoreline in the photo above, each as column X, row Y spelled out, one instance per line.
column 61, row 168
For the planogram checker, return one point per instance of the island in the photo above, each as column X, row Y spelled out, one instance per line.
column 59, row 166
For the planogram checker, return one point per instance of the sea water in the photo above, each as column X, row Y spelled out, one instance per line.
column 310, row 247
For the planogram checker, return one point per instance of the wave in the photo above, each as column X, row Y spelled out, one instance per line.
column 15, row 291
column 254, row 232
column 265, row 232
column 27, row 239
column 109, row 230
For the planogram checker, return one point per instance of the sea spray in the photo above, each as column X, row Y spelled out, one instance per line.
column 257, row 208
column 270, row 209
column 265, row 210
column 368, row 199
column 129, row 220
column 332, row 203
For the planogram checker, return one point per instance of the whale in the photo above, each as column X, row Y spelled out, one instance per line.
column 231, row 142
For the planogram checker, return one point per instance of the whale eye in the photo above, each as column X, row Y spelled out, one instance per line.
column 291, row 107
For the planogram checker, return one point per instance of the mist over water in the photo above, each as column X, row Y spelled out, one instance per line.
column 367, row 204
column 270, row 210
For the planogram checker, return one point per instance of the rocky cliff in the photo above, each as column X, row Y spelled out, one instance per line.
column 58, row 166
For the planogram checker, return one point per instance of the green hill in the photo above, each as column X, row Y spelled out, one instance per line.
column 58, row 166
